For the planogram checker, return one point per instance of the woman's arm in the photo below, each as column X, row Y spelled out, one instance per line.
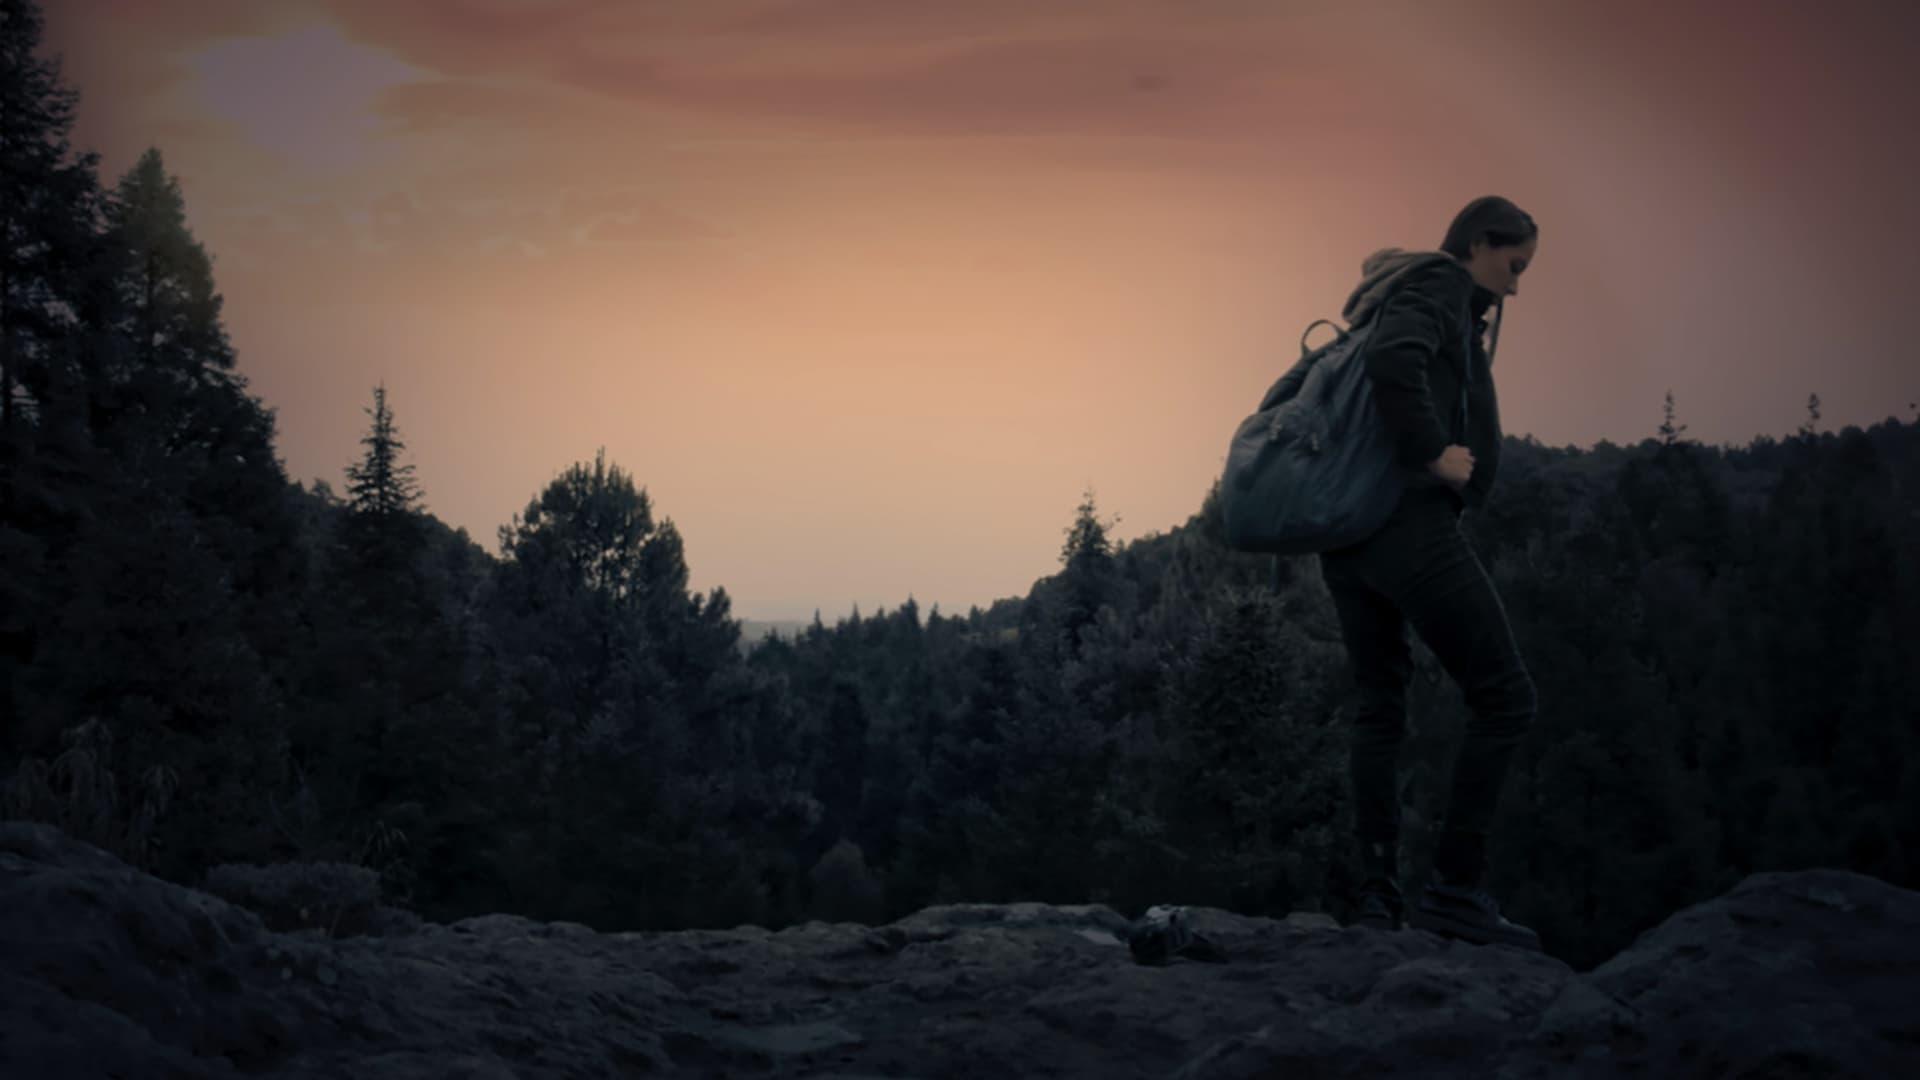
column 1423, row 312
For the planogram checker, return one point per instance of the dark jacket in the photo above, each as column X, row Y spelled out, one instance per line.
column 1429, row 332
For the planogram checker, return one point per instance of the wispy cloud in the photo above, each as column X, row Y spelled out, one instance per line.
column 917, row 68
column 305, row 94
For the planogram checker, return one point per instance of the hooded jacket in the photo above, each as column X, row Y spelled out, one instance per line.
column 1416, row 356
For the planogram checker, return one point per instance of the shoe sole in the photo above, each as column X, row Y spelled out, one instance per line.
column 1475, row 933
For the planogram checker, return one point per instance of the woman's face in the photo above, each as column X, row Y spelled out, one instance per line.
column 1498, row 269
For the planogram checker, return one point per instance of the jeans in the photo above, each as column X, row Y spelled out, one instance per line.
column 1419, row 568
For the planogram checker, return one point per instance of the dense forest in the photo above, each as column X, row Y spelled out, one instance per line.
column 205, row 663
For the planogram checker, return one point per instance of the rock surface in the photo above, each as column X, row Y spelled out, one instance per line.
column 105, row 971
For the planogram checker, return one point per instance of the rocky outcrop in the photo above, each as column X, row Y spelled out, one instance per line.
column 105, row 971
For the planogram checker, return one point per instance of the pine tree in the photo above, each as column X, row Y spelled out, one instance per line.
column 49, row 208
column 379, row 486
column 1812, row 422
column 142, row 504
column 171, row 309
column 1087, row 546
column 1088, row 573
column 584, row 532
column 188, row 615
column 172, row 388
column 383, row 536
column 1258, row 775
column 1669, row 433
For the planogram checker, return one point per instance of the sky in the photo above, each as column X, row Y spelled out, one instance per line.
column 867, row 295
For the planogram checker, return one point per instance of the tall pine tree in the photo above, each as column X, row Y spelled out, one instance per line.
column 143, row 515
column 50, row 203
column 384, row 500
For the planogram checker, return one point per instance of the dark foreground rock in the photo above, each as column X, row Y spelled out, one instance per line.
column 105, row 971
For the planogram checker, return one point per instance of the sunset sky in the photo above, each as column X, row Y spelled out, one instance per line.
column 865, row 293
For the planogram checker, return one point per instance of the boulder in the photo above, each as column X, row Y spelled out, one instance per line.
column 108, row 971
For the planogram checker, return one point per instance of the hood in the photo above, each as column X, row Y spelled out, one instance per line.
column 1378, row 274
column 1382, row 269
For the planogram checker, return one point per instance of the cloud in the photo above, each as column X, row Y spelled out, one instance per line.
column 133, row 48
column 404, row 226
column 305, row 94
column 895, row 68
column 648, row 226
column 543, row 114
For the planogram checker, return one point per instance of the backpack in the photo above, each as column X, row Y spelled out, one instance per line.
column 1314, row 467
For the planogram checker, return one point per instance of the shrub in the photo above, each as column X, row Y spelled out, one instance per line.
column 844, row 890
column 79, row 792
column 337, row 898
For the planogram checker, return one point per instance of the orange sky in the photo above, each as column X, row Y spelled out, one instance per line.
column 866, row 292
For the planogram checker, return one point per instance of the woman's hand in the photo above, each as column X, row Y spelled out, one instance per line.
column 1454, row 465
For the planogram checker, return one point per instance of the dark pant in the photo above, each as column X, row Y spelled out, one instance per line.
column 1419, row 568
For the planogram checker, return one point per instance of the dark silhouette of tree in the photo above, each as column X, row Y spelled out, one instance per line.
column 1812, row 423
column 618, row 675
column 383, row 533
column 842, row 753
column 1668, row 432
column 1069, row 602
column 50, row 201
column 379, row 485
column 160, row 612
column 1256, row 793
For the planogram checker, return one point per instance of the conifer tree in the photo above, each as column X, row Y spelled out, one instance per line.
column 216, row 559
column 383, row 531
column 173, row 387
column 141, row 495
column 170, row 311
column 1087, row 546
column 1259, row 773
column 1812, row 422
column 379, row 485
column 173, row 411
column 49, row 206
column 49, row 203
column 1088, row 574
column 1668, row 432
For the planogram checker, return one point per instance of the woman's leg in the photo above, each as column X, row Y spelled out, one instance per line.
column 1381, row 662
column 1434, row 576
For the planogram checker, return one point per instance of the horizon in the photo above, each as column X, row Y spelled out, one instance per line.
column 830, row 618
column 946, row 270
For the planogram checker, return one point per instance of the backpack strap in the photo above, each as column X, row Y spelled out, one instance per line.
column 1338, row 329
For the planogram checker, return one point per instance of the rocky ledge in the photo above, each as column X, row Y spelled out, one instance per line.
column 106, row 971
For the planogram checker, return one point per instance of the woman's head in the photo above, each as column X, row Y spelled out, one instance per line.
column 1495, row 240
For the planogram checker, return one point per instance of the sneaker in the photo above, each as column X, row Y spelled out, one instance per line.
column 1380, row 906
column 1469, row 914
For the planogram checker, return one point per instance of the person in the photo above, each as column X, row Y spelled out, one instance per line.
column 1418, row 567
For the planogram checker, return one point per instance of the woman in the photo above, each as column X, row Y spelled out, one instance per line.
column 1418, row 567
